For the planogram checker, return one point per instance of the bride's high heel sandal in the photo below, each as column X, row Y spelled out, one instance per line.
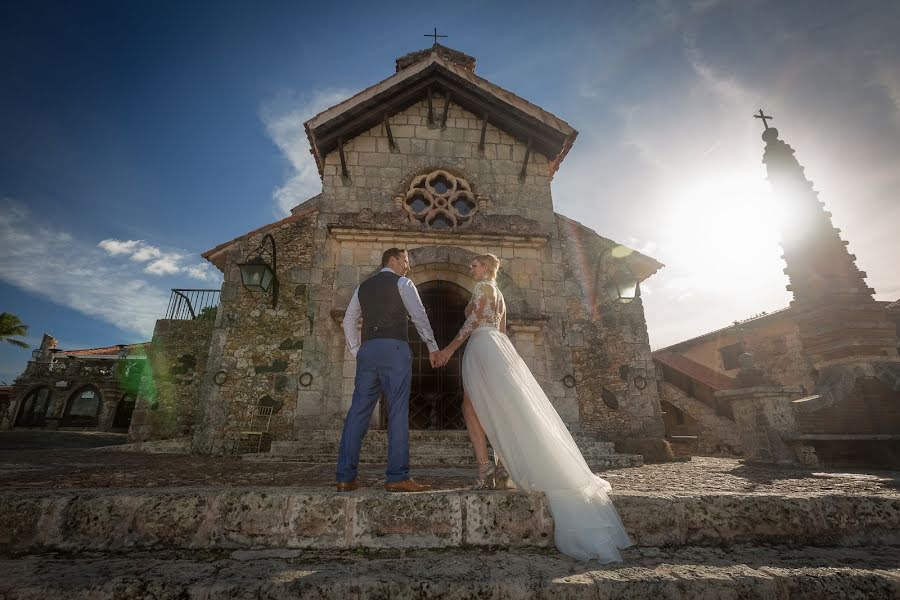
column 484, row 480
column 501, row 478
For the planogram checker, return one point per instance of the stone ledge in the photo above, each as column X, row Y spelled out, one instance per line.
column 210, row 518
column 739, row 573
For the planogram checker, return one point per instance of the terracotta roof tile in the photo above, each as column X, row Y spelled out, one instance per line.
column 701, row 373
column 104, row 351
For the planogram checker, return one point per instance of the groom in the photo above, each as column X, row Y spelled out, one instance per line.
column 383, row 365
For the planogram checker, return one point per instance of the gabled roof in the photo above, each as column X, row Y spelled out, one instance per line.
column 438, row 72
column 691, row 368
column 217, row 255
column 641, row 265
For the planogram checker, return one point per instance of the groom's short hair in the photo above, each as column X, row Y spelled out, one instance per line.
column 391, row 253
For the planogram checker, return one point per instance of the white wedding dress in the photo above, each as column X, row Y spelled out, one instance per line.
column 528, row 435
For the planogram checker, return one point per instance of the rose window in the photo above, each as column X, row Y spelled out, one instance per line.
column 440, row 200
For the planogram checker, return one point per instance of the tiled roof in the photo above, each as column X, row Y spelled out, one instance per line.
column 701, row 373
column 105, row 351
column 746, row 324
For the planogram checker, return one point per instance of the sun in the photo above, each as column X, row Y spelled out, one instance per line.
column 725, row 229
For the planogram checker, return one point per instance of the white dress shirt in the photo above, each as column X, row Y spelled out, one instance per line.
column 410, row 296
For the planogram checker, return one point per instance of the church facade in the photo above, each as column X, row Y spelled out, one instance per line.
column 447, row 165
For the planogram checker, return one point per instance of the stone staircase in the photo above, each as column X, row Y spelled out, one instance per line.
column 218, row 542
column 431, row 448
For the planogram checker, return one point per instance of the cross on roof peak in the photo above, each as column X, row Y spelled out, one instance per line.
column 435, row 35
column 763, row 116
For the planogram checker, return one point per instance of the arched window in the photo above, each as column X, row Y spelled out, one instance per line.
column 124, row 408
column 82, row 408
column 33, row 410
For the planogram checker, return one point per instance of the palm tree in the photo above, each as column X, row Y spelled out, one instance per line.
column 10, row 326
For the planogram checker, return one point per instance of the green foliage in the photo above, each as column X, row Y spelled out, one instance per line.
column 11, row 327
column 208, row 313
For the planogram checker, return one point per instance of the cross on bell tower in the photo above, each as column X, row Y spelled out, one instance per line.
column 763, row 116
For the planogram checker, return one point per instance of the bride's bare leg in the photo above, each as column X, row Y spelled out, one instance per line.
column 476, row 432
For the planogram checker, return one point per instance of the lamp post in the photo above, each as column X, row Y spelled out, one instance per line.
column 257, row 275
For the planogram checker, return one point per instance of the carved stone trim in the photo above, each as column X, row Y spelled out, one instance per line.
column 441, row 201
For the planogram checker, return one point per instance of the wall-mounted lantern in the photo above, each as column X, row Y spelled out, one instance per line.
column 259, row 274
column 618, row 283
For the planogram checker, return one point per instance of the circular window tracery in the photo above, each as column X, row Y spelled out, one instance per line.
column 440, row 200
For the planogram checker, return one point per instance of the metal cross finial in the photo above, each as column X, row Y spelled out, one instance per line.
column 435, row 35
column 763, row 116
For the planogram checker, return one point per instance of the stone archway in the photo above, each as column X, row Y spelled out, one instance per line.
column 123, row 413
column 34, row 407
column 451, row 263
column 83, row 408
column 435, row 399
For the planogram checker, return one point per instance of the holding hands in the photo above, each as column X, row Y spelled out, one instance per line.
column 440, row 357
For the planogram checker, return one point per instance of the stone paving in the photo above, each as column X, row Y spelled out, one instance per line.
column 77, row 522
column 648, row 573
column 78, row 467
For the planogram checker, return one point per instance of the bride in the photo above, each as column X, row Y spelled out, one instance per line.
column 532, row 444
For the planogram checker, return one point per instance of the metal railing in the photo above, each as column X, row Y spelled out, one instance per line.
column 186, row 305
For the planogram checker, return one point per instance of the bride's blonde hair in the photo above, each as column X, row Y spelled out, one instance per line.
column 491, row 262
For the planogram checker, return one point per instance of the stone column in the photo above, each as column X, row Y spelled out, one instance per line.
column 766, row 418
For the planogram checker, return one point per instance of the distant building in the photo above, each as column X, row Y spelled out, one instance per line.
column 83, row 389
column 835, row 345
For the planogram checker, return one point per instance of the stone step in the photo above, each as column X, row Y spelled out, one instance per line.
column 449, row 459
column 687, row 573
column 254, row 518
column 441, row 436
column 380, row 449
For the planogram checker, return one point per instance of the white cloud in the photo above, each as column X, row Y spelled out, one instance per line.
column 158, row 261
column 888, row 77
column 52, row 264
column 115, row 247
column 284, row 117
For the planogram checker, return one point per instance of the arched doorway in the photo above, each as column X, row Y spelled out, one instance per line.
column 124, row 409
column 435, row 400
column 33, row 410
column 83, row 408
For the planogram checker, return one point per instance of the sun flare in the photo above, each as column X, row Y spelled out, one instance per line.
column 724, row 230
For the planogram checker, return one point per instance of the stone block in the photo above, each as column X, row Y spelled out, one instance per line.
column 507, row 519
column 424, row 520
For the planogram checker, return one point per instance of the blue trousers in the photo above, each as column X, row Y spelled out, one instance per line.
column 382, row 365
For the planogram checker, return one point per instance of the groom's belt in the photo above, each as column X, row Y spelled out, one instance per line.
column 395, row 331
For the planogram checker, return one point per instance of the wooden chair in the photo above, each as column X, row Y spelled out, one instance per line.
column 257, row 429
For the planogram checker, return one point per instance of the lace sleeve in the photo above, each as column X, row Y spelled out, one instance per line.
column 482, row 297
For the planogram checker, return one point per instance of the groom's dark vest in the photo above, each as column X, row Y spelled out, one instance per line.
column 384, row 315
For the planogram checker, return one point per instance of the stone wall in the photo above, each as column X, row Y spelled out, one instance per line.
column 773, row 340
column 612, row 366
column 377, row 173
column 257, row 350
column 715, row 434
column 170, row 387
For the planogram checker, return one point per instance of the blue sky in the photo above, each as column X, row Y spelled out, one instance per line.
column 137, row 135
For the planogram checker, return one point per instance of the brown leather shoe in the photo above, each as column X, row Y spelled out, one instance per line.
column 406, row 486
column 347, row 486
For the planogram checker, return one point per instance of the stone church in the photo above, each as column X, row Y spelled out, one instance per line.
column 446, row 164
